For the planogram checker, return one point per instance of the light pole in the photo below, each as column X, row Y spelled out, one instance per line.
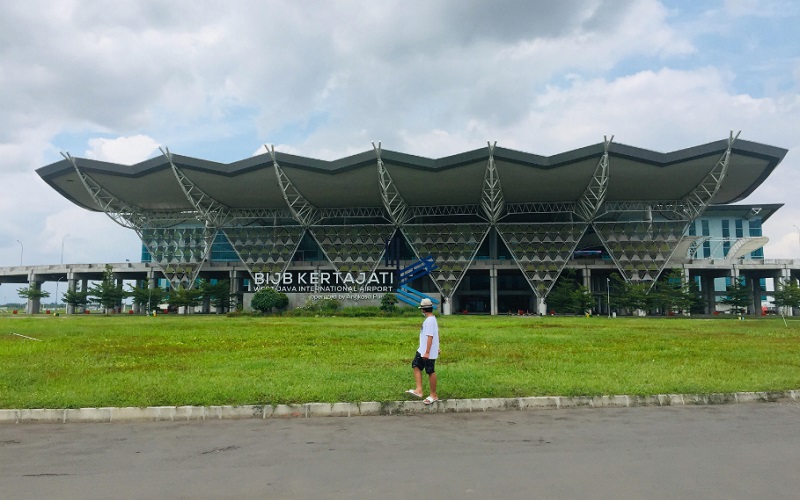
column 62, row 247
column 608, row 292
column 21, row 249
column 57, row 282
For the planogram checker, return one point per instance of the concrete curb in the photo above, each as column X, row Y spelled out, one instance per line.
column 373, row 408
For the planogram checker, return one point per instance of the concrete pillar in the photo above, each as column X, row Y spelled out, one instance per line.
column 34, row 304
column 120, row 283
column 447, row 305
column 493, row 290
column 755, row 287
column 152, row 284
column 707, row 292
column 71, row 283
column 236, row 285
column 541, row 306
column 586, row 275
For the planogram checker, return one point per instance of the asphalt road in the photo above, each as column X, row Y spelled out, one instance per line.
column 727, row 451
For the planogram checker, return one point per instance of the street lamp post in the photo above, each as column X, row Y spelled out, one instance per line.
column 62, row 247
column 57, row 282
column 608, row 292
column 21, row 249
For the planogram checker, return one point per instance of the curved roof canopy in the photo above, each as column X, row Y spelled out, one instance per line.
column 635, row 174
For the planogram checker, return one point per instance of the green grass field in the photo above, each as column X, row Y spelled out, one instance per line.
column 87, row 361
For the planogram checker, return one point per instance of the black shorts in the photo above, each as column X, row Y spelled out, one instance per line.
column 429, row 365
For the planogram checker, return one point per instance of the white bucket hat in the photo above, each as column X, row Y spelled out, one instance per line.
column 425, row 303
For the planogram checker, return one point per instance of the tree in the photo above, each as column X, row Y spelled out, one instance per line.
column 568, row 296
column 738, row 296
column 146, row 297
column 33, row 292
column 219, row 293
column 76, row 299
column 107, row 292
column 184, row 297
column 673, row 293
column 787, row 295
column 267, row 299
column 697, row 305
column 583, row 300
column 562, row 298
column 631, row 296
column 389, row 303
column 669, row 292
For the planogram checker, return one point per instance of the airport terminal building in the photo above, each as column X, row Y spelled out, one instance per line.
column 483, row 231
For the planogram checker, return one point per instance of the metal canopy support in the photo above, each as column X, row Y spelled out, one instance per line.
column 398, row 209
column 695, row 202
column 539, row 208
column 492, row 199
column 304, row 212
column 213, row 214
column 209, row 211
column 127, row 216
column 589, row 203
column 445, row 210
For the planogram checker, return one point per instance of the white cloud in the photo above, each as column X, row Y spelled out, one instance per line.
column 125, row 150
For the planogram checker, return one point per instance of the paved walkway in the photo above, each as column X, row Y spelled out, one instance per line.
column 308, row 410
column 708, row 452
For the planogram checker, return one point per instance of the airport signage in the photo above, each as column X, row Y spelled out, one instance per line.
column 327, row 282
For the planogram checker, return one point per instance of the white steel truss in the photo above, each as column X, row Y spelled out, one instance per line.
column 209, row 211
column 124, row 214
column 445, row 210
column 492, row 199
column 393, row 202
column 695, row 203
column 539, row 208
column 304, row 212
column 588, row 205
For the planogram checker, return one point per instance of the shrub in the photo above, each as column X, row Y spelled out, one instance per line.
column 389, row 303
column 267, row 299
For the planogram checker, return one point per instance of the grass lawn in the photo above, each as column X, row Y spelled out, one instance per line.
column 87, row 361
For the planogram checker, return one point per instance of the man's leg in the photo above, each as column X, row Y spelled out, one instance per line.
column 418, row 380
column 432, row 379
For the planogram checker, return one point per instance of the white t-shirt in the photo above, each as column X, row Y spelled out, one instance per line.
column 430, row 328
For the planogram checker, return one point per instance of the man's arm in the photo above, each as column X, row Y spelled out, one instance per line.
column 428, row 347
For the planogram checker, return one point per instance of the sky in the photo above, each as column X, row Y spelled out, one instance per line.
column 114, row 80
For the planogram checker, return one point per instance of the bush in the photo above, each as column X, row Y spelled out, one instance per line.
column 389, row 303
column 267, row 299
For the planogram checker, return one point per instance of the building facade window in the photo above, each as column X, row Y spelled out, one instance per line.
column 755, row 231
column 726, row 236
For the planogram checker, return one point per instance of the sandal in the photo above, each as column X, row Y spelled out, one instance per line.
column 430, row 400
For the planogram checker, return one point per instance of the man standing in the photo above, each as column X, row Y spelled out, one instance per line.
column 427, row 352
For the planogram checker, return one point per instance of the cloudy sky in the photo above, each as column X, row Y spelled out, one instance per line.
column 114, row 80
